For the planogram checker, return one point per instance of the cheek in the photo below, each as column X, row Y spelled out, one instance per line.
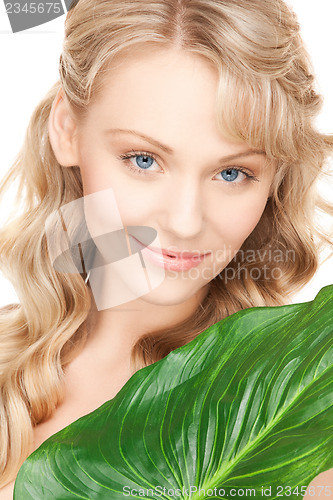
column 94, row 179
column 240, row 219
column 111, row 202
column 94, row 163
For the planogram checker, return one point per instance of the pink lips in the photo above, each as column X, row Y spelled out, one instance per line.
column 174, row 261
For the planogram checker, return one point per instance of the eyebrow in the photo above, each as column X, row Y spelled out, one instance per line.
column 170, row 151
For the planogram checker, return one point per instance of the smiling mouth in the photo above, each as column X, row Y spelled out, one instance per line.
column 169, row 260
column 182, row 255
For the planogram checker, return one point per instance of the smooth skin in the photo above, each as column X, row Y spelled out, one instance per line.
column 194, row 197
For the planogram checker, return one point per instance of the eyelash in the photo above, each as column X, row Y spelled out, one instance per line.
column 133, row 154
column 139, row 171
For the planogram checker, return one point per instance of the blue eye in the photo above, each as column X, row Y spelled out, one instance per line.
column 236, row 176
column 230, row 174
column 144, row 161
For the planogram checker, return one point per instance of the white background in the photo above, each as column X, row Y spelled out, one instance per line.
column 29, row 67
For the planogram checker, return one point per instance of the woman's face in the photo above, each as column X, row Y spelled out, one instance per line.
column 151, row 137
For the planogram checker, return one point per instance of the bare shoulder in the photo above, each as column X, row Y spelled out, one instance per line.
column 322, row 486
column 6, row 493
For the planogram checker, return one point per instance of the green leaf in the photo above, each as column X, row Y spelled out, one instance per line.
column 248, row 404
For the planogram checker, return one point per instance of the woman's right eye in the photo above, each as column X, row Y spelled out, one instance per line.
column 140, row 161
column 143, row 161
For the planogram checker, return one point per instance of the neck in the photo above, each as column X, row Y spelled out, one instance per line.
column 114, row 331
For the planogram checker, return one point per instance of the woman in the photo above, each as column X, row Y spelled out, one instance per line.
column 196, row 119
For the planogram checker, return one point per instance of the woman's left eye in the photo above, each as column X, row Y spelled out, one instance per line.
column 235, row 175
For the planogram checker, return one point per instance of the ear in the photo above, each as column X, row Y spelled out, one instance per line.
column 62, row 132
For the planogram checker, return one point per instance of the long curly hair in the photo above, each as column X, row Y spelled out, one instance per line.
column 264, row 69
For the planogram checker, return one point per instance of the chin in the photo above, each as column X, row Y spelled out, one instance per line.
column 174, row 293
column 113, row 289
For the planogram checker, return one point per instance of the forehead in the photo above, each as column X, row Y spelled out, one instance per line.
column 172, row 87
column 172, row 95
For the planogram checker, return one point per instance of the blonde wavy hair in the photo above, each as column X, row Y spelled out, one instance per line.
column 256, row 47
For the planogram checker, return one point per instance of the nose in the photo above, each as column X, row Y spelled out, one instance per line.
column 184, row 213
